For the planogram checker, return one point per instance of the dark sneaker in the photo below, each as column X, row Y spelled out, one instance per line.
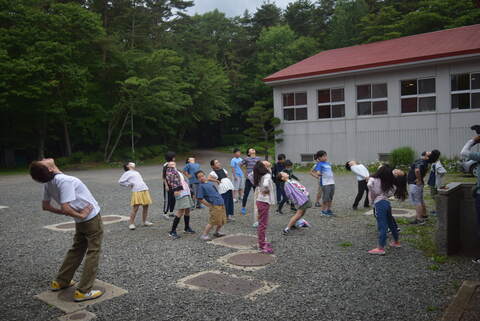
column 174, row 235
column 189, row 231
column 286, row 231
column 354, row 208
column 279, row 212
column 418, row 222
column 216, row 234
column 317, row 204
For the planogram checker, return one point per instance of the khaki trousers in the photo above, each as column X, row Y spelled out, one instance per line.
column 88, row 239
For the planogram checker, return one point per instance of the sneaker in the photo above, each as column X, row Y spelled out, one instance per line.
column 235, row 200
column 317, row 204
column 255, row 225
column 267, row 250
column 418, row 222
column 217, row 234
column 366, row 206
column 189, row 231
column 147, row 223
column 395, row 244
column 377, row 251
column 286, row 231
column 244, row 211
column 476, row 261
column 230, row 219
column 131, row 226
column 279, row 212
column 55, row 286
column 326, row 213
column 174, row 235
column 292, row 208
column 205, row 237
column 92, row 294
column 329, row 212
column 171, row 215
column 165, row 216
column 354, row 208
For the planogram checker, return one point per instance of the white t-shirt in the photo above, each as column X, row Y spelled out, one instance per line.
column 68, row 189
column 225, row 184
column 266, row 184
column 361, row 172
column 133, row 179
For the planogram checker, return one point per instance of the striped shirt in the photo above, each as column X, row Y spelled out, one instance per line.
column 250, row 163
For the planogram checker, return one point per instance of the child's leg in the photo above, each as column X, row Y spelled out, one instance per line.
column 381, row 210
column 359, row 196
column 262, row 223
column 295, row 218
column 248, row 186
column 392, row 224
column 133, row 213
column 144, row 213
column 186, row 218
column 207, row 229
column 176, row 220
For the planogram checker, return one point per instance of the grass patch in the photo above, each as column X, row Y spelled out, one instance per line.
column 346, row 244
column 441, row 259
column 434, row 267
column 402, row 221
column 423, row 239
column 432, row 308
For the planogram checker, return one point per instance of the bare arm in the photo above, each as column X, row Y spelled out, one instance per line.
column 419, row 179
column 67, row 210
column 204, row 202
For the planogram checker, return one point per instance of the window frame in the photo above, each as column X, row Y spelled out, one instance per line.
column 294, row 106
column 418, row 96
column 331, row 103
column 468, row 91
column 370, row 100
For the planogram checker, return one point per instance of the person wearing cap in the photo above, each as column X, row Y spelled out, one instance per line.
column 140, row 194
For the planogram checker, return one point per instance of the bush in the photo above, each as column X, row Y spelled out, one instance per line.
column 402, row 156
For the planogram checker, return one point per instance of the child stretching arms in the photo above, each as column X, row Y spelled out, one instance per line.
column 298, row 194
column 382, row 185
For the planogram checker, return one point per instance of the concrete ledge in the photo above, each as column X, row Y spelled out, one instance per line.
column 224, row 260
column 466, row 304
column 397, row 212
column 82, row 315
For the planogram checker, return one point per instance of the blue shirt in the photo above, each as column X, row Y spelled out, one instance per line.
column 235, row 164
column 327, row 174
column 191, row 169
column 208, row 192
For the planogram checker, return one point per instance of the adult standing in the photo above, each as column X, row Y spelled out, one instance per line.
column 248, row 162
column 76, row 201
column 168, row 197
column 469, row 154
column 415, row 180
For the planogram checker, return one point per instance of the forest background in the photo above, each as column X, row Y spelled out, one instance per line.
column 85, row 80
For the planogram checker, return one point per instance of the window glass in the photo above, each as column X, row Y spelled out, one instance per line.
column 337, row 95
column 300, row 113
column 289, row 114
column 363, row 92
column 379, row 108
column 409, row 105
column 324, row 96
column 300, row 99
column 288, row 99
column 460, row 101
column 338, row 111
column 426, row 104
column 409, row 87
column 379, row 90
column 475, row 100
column 460, row 82
column 364, row 108
column 324, row 111
column 426, row 86
column 475, row 81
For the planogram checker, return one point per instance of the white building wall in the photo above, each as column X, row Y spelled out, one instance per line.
column 364, row 137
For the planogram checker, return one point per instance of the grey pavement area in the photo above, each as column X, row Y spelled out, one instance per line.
column 318, row 279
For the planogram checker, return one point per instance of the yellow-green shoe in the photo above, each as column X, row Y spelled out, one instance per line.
column 55, row 286
column 92, row 294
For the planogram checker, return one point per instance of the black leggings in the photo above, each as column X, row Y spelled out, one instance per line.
column 248, row 187
column 168, row 201
column 362, row 187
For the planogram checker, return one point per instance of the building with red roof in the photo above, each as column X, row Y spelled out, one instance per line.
column 361, row 102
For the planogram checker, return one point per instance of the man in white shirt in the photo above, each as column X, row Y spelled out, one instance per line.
column 76, row 201
column 362, row 178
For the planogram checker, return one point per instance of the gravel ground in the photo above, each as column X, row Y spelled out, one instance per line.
column 318, row 278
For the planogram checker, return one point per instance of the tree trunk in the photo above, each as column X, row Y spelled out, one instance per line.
column 41, row 137
column 68, row 144
column 132, row 44
column 118, row 138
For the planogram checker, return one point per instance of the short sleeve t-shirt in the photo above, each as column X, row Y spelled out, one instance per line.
column 235, row 163
column 327, row 173
column 422, row 165
column 191, row 169
column 209, row 192
column 250, row 163
column 68, row 189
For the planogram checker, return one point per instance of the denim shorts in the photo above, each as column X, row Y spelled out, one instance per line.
column 327, row 192
column 416, row 194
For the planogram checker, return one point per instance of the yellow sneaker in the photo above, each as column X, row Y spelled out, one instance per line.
column 92, row 294
column 55, row 286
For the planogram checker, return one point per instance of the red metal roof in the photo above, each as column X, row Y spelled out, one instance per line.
column 438, row 44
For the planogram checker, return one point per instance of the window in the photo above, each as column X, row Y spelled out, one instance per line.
column 295, row 106
column 306, row 157
column 417, row 95
column 372, row 99
column 331, row 103
column 465, row 91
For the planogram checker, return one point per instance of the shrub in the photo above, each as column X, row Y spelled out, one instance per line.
column 402, row 156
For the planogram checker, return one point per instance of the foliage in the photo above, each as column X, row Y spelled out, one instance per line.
column 402, row 156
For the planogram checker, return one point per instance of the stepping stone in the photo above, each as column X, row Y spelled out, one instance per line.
column 466, row 304
column 247, row 260
column 398, row 212
column 63, row 299
column 78, row 316
column 70, row 226
column 237, row 241
column 227, row 283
